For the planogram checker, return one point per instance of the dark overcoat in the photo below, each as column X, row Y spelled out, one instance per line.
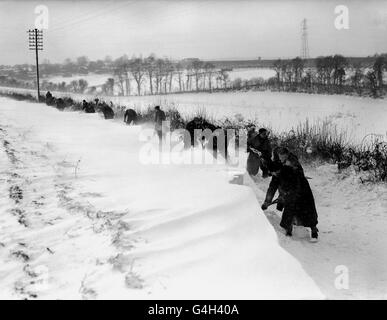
column 107, row 112
column 130, row 116
column 295, row 196
column 255, row 161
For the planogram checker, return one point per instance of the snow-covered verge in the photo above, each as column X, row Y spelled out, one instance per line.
column 352, row 240
column 82, row 217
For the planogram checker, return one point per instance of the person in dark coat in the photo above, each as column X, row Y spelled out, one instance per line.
column 159, row 118
column 49, row 98
column 107, row 111
column 60, row 104
column 295, row 195
column 68, row 102
column 259, row 149
column 87, row 107
column 130, row 116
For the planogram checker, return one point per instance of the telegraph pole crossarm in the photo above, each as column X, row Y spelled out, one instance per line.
column 35, row 41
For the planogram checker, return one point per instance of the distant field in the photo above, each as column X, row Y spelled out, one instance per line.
column 99, row 79
column 92, row 79
column 279, row 110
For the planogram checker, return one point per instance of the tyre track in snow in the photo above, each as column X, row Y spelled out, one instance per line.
column 106, row 222
column 31, row 197
column 33, row 206
column 15, row 184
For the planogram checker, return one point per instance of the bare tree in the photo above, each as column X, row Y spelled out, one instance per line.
column 223, row 77
column 372, row 82
column 378, row 67
column 150, row 68
column 82, row 85
column 277, row 65
column 160, row 72
column 179, row 71
column 169, row 71
column 339, row 63
column 297, row 66
column 120, row 81
column 357, row 76
column 210, row 70
column 121, row 72
column 108, row 87
column 137, row 70
column 74, row 86
column 197, row 67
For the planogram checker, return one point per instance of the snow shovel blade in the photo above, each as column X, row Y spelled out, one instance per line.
column 273, row 202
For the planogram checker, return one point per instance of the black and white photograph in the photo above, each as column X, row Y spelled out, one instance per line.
column 193, row 150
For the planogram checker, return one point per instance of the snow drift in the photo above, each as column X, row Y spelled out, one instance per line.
column 92, row 221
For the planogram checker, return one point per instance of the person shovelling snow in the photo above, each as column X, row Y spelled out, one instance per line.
column 259, row 149
column 295, row 198
column 130, row 116
column 87, row 107
column 159, row 118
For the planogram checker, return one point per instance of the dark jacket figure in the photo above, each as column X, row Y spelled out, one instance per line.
column 87, row 107
column 295, row 195
column 107, row 111
column 68, row 102
column 259, row 149
column 159, row 118
column 49, row 99
column 60, row 104
column 130, row 116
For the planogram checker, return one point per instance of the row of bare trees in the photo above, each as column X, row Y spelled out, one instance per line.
column 161, row 75
column 330, row 72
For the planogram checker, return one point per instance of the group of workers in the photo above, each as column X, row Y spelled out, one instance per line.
column 88, row 107
column 295, row 198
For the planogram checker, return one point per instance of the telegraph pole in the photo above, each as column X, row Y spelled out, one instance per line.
column 36, row 43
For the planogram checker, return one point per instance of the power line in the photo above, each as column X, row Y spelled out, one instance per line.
column 70, row 24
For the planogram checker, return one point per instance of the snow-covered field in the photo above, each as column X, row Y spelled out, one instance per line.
column 99, row 79
column 280, row 111
column 250, row 73
column 92, row 79
column 82, row 217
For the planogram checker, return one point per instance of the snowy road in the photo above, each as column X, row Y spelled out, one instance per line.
column 81, row 217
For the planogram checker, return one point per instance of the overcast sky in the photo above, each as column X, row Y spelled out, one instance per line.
column 204, row 29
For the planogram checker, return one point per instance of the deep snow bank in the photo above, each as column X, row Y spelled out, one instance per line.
column 123, row 229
